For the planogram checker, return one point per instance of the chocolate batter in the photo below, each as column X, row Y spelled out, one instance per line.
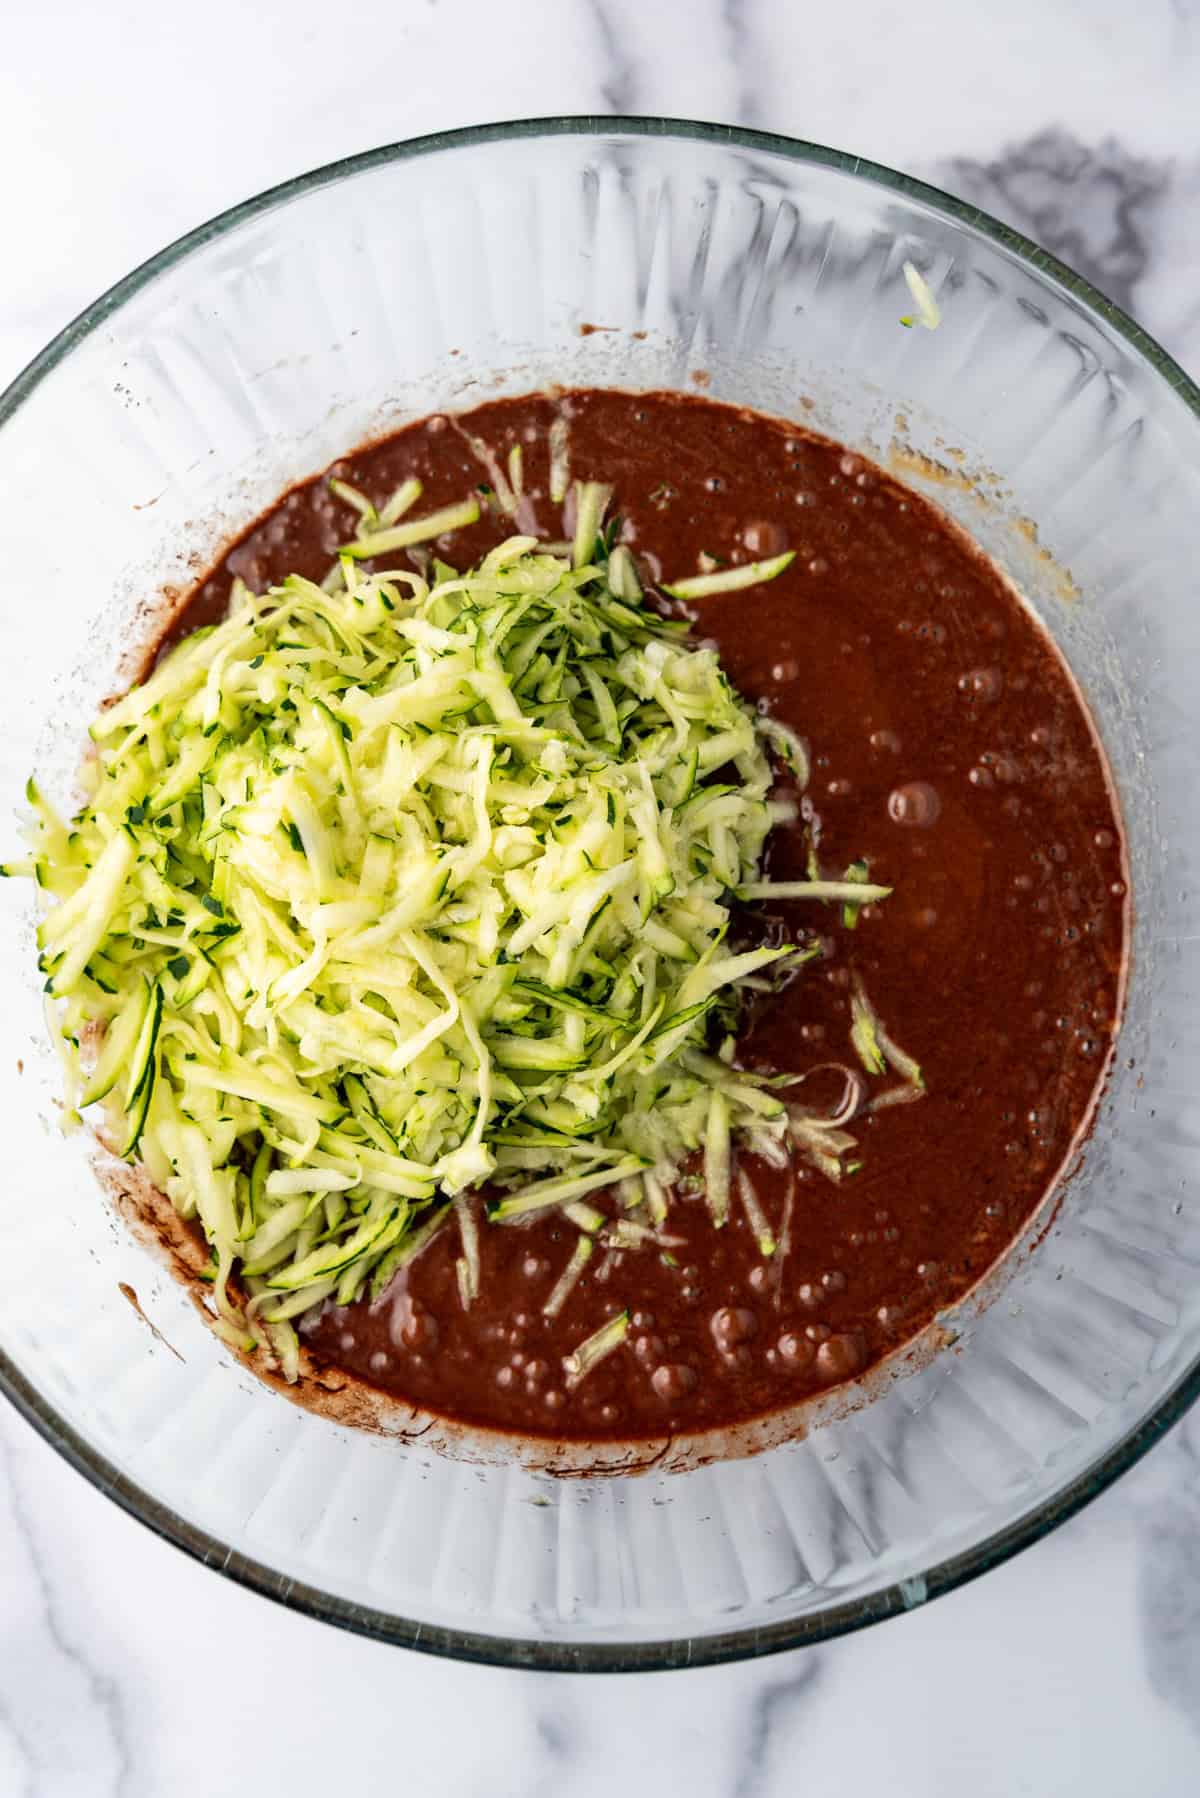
column 951, row 749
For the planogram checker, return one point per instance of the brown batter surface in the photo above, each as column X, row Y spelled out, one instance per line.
column 950, row 748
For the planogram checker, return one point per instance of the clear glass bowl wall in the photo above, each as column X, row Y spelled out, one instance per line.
column 435, row 275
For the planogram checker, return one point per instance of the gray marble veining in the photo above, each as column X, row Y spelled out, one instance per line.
column 54, row 1672
column 742, row 48
column 1091, row 205
column 618, row 70
column 778, row 1701
column 1169, row 1570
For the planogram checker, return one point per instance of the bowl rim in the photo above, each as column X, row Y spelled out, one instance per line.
column 478, row 1646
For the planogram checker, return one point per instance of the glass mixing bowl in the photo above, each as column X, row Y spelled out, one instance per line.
column 433, row 274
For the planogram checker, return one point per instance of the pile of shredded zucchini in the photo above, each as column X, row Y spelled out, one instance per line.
column 392, row 889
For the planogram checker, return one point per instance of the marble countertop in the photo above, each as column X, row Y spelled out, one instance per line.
column 128, row 1671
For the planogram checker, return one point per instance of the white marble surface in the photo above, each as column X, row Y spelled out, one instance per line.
column 127, row 1669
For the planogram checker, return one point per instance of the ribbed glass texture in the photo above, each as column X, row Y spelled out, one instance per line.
column 434, row 275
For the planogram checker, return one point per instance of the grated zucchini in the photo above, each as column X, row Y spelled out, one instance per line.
column 383, row 891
